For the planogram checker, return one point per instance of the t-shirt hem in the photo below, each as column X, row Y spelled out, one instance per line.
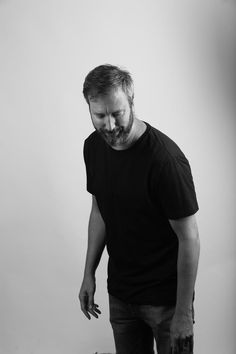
column 162, row 301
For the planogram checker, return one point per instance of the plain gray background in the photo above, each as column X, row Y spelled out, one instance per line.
column 181, row 55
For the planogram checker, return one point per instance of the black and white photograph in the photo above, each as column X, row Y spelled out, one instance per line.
column 117, row 177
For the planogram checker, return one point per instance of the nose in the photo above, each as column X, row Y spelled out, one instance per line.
column 110, row 123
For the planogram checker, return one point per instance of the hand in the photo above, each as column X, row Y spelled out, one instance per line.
column 86, row 297
column 181, row 332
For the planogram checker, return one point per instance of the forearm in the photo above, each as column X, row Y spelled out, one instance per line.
column 96, row 243
column 188, row 257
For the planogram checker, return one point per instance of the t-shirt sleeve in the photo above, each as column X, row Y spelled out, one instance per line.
column 87, row 160
column 176, row 191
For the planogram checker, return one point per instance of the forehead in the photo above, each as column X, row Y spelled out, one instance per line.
column 115, row 99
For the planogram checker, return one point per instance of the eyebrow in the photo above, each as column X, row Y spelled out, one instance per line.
column 118, row 111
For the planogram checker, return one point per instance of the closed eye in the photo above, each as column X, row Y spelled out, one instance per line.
column 100, row 115
column 118, row 114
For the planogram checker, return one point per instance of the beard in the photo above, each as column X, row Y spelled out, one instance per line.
column 119, row 135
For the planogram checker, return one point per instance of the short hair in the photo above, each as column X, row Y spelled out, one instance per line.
column 103, row 78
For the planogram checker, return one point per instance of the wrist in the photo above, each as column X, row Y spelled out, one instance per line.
column 183, row 311
column 89, row 274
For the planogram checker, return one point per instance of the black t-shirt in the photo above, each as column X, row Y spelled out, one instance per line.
column 138, row 190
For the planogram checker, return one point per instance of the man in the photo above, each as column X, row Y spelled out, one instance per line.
column 143, row 206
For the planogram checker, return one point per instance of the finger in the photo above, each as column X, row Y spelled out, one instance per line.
column 191, row 344
column 186, row 343
column 83, row 305
column 86, row 314
column 91, row 306
column 173, row 346
column 181, row 344
column 174, row 350
column 98, row 311
column 95, row 308
column 177, row 346
column 172, row 341
column 92, row 311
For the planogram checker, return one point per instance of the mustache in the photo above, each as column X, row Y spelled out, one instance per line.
column 112, row 133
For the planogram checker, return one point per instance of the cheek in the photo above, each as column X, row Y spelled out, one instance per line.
column 98, row 123
column 125, row 119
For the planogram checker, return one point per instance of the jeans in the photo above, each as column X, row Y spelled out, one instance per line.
column 136, row 326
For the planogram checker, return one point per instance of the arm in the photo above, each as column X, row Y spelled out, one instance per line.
column 96, row 244
column 96, row 239
column 189, row 249
column 188, row 256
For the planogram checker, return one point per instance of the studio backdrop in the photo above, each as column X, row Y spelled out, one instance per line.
column 181, row 55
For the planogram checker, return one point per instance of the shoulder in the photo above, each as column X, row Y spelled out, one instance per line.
column 94, row 147
column 89, row 143
column 93, row 142
column 165, row 149
column 91, row 138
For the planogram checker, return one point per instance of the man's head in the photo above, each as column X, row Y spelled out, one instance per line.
column 108, row 91
column 104, row 78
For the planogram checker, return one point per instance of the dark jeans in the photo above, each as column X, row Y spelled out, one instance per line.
column 136, row 326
